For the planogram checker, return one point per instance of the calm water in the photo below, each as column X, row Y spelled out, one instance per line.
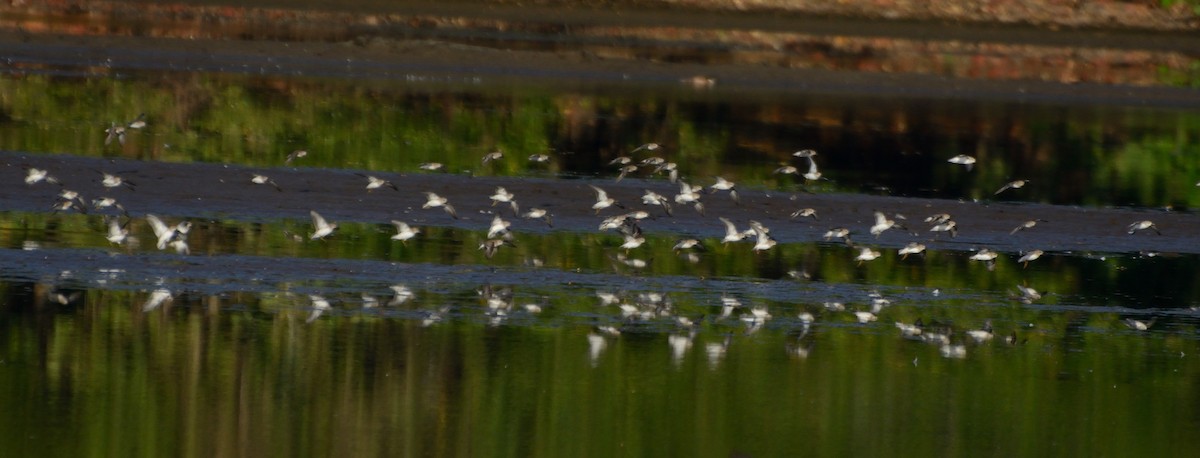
column 257, row 344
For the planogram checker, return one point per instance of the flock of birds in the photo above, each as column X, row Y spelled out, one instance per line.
column 647, row 307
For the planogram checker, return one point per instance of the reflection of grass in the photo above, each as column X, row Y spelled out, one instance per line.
column 1184, row 77
column 1086, row 157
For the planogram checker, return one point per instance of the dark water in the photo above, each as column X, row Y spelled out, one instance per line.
column 431, row 348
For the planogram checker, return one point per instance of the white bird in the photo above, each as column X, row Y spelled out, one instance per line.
column 1028, row 295
column 319, row 306
column 503, row 196
column 138, row 122
column 725, row 185
column 632, row 241
column 1015, row 184
column 963, row 159
column 981, row 335
column 114, row 132
column 812, row 174
column 404, row 232
column 948, row 226
column 539, row 158
column 805, row 153
column 984, row 254
column 401, row 295
column 882, row 223
column 490, row 247
column 803, row 212
column 263, row 179
column 654, row 198
column 499, row 227
column 763, row 241
column 430, row 166
column 112, row 181
column 433, row 200
column 938, row 218
column 157, row 298
column 732, row 234
column 865, row 317
column 626, row 170
column 535, row 213
column 297, row 154
column 1029, row 256
column 493, row 156
column 785, row 169
column 374, row 183
column 1139, row 325
column 33, row 176
column 1026, row 225
column 838, row 233
column 168, row 234
column 116, row 233
column 911, row 248
column 1142, row 225
column 958, row 351
column 321, row 228
column 602, row 200
column 866, row 254
column 647, row 147
column 687, row 244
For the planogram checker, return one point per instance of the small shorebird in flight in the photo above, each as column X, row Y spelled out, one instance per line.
column 882, row 223
column 113, row 181
column 1139, row 325
column 169, row 235
column 1143, row 225
column 263, row 179
column 805, row 153
column 493, row 156
column 321, row 228
column 803, row 212
column 1030, row 256
column 786, row 169
column 116, row 233
column 374, row 183
column 947, row 226
column 34, row 176
column 489, row 247
column 430, row 166
column 964, row 160
column 813, row 174
column 433, row 200
column 503, row 196
column 866, row 254
column 687, row 244
column 725, row 185
column 732, row 234
column 498, row 228
column 911, row 248
column 404, row 232
column 602, row 200
column 539, row 158
column 535, row 213
column 838, row 233
column 295, row 155
column 106, row 202
column 647, row 147
column 1015, row 184
column 654, row 198
column 763, row 241
column 1026, row 225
